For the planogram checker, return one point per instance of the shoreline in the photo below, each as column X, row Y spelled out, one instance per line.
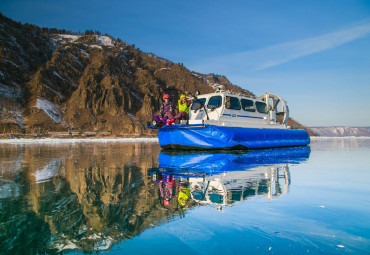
column 54, row 140
column 78, row 140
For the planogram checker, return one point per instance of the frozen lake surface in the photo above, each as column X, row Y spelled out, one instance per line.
column 132, row 198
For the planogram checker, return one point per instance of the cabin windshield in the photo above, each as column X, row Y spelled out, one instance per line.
column 214, row 102
column 198, row 104
column 261, row 107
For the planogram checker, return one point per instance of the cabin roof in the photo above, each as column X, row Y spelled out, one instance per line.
column 229, row 93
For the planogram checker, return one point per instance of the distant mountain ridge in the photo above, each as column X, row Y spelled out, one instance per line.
column 342, row 131
column 85, row 82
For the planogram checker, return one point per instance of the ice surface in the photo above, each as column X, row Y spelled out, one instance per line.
column 325, row 211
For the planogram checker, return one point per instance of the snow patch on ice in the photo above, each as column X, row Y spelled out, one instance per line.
column 49, row 171
column 50, row 109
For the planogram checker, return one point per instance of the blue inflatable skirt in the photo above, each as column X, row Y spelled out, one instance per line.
column 219, row 137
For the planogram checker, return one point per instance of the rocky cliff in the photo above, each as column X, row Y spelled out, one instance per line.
column 53, row 81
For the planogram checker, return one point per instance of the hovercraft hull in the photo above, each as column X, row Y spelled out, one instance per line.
column 188, row 137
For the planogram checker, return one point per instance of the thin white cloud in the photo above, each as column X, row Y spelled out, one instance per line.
column 264, row 58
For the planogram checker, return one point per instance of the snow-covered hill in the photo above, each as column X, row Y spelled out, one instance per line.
column 342, row 131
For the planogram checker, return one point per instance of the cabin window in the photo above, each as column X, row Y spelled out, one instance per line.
column 214, row 102
column 248, row 105
column 261, row 107
column 216, row 198
column 232, row 103
column 198, row 104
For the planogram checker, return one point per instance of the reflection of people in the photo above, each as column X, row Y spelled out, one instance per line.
column 172, row 190
column 183, row 105
column 166, row 112
column 184, row 194
column 166, row 188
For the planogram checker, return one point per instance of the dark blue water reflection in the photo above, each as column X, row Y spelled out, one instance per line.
column 135, row 199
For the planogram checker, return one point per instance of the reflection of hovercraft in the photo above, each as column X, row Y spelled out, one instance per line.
column 212, row 163
column 224, row 178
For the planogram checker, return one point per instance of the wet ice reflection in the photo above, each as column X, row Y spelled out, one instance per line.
column 91, row 196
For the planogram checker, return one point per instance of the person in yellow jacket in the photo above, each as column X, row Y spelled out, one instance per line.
column 183, row 106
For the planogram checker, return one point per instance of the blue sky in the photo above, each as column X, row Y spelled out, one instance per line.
column 314, row 54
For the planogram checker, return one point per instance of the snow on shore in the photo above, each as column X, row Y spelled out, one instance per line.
column 117, row 140
column 83, row 140
column 338, row 137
